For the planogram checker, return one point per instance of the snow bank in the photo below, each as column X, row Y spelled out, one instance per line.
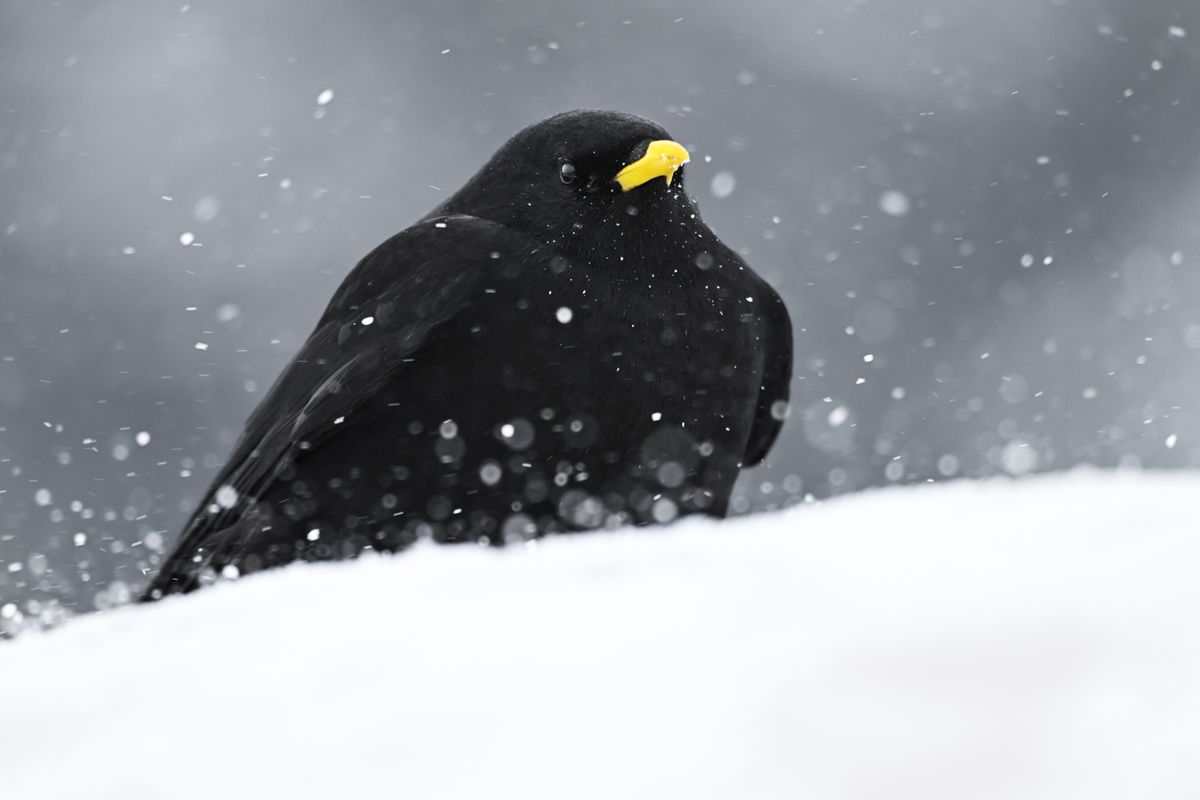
column 1031, row 639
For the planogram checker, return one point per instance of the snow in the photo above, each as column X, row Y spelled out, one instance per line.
column 1033, row 638
column 894, row 203
column 723, row 184
column 226, row 496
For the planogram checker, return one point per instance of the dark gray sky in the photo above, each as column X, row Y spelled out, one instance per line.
column 981, row 214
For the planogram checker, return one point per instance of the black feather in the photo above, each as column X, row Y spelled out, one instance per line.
column 533, row 357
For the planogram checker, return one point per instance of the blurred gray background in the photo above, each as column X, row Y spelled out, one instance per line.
column 981, row 214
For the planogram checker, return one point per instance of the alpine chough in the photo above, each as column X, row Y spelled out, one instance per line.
column 562, row 345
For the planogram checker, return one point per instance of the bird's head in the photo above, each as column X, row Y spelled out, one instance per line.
column 581, row 170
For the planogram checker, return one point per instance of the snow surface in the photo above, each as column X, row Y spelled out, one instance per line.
column 1029, row 639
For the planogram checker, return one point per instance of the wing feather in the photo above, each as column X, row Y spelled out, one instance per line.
column 776, row 341
column 408, row 287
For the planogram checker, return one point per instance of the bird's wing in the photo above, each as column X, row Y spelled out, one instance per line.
column 776, row 340
column 389, row 306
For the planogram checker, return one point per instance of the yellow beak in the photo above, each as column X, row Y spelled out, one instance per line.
column 662, row 158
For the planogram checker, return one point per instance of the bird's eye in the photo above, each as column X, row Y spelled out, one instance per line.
column 567, row 172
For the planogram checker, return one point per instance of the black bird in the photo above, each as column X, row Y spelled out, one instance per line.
column 562, row 345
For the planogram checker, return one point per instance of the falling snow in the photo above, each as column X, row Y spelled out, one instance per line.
column 894, row 203
column 723, row 184
column 226, row 497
